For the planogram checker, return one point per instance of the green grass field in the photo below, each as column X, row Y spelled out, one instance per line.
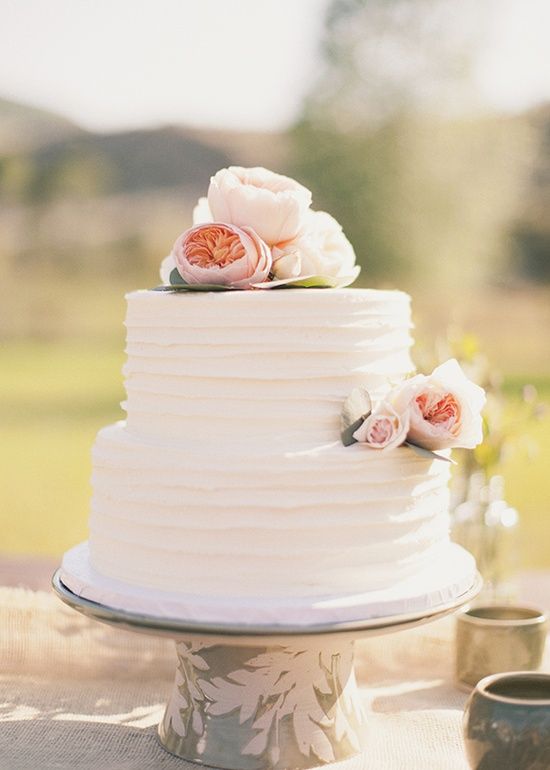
column 56, row 395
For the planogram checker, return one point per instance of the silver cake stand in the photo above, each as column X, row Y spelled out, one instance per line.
column 262, row 697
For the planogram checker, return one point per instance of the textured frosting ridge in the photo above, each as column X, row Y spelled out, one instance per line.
column 249, row 367
column 228, row 476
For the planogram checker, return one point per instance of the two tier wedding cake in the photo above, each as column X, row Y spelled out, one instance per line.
column 279, row 463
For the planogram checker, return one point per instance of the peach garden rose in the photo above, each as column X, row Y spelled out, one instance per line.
column 444, row 408
column 274, row 206
column 435, row 412
column 201, row 215
column 223, row 254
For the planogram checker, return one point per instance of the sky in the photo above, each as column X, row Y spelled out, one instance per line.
column 242, row 64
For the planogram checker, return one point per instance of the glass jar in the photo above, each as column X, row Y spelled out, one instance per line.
column 488, row 527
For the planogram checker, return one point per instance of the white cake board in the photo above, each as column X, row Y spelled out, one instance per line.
column 442, row 584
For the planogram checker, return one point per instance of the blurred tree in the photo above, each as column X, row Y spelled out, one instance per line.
column 531, row 233
column 386, row 57
column 356, row 178
column 16, row 173
column 423, row 194
column 78, row 175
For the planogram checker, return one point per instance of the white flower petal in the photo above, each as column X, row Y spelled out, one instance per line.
column 202, row 213
column 166, row 267
column 275, row 206
column 287, row 265
column 321, row 248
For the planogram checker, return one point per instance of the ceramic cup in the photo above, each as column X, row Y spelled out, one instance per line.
column 507, row 722
column 491, row 639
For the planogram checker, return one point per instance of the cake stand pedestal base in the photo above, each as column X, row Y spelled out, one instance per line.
column 261, row 698
column 277, row 706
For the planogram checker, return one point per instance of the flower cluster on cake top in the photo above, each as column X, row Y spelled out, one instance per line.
column 427, row 412
column 257, row 230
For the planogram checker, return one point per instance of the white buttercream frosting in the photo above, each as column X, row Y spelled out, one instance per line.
column 228, row 477
column 244, row 368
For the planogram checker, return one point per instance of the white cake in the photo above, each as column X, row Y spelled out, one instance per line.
column 228, row 481
column 231, row 494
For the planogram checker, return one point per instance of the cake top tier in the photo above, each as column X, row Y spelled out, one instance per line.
column 259, row 366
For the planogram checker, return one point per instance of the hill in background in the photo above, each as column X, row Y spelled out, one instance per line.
column 45, row 157
column 23, row 127
column 85, row 209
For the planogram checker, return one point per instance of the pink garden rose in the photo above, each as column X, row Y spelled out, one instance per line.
column 273, row 205
column 444, row 407
column 201, row 215
column 223, row 254
column 385, row 428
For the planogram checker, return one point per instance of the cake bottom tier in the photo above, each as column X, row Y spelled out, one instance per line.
column 444, row 581
column 249, row 522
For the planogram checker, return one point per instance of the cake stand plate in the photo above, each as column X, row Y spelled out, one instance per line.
column 275, row 697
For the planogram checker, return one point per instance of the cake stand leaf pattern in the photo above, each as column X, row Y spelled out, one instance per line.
column 186, row 706
column 309, row 695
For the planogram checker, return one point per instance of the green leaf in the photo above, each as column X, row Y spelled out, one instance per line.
column 420, row 450
column 310, row 282
column 282, row 283
column 303, row 282
column 186, row 287
column 176, row 279
column 178, row 284
column 357, row 407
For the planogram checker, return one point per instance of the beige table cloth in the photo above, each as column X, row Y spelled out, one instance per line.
column 78, row 695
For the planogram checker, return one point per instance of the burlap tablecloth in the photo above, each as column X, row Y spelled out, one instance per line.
column 77, row 695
